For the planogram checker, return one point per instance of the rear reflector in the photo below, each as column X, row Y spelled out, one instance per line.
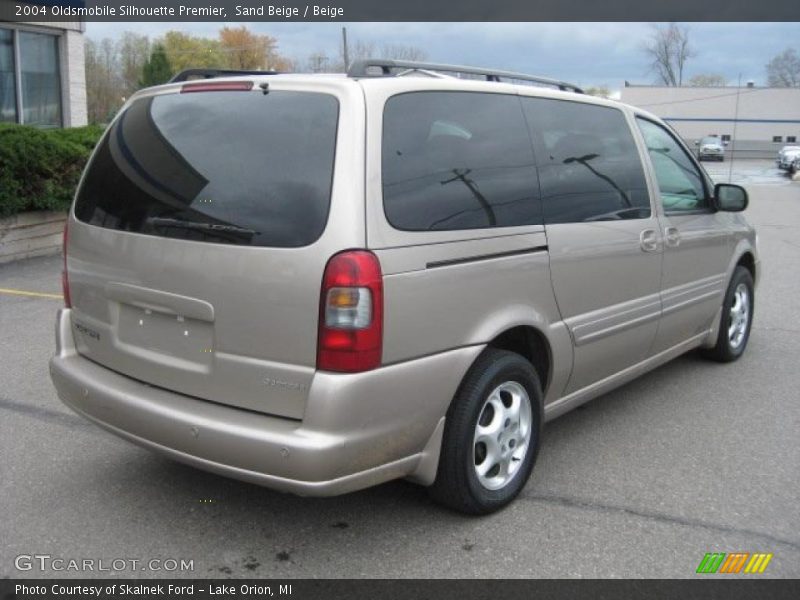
column 64, row 274
column 217, row 86
column 351, row 313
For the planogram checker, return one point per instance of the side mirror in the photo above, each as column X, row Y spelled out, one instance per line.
column 725, row 143
column 697, row 142
column 729, row 197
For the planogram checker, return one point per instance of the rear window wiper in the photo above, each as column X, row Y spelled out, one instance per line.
column 199, row 225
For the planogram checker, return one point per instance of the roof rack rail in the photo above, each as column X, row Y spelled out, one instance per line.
column 363, row 68
column 190, row 74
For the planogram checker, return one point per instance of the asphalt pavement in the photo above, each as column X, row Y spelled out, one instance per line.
column 694, row 457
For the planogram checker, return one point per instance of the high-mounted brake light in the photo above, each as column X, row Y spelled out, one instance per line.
column 217, row 86
column 64, row 274
column 351, row 313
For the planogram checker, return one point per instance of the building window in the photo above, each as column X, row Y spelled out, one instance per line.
column 777, row 138
column 30, row 81
column 726, row 137
column 8, row 86
column 791, row 139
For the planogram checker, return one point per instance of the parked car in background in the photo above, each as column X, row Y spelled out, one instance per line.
column 786, row 156
column 711, row 148
column 319, row 284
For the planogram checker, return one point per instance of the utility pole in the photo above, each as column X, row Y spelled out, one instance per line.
column 461, row 175
column 344, row 48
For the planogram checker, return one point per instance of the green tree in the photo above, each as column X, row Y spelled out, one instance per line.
column 186, row 51
column 157, row 69
column 244, row 49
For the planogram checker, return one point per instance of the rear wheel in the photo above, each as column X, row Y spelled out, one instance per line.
column 492, row 435
column 737, row 317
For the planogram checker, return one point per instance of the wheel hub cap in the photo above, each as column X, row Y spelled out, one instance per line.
column 502, row 435
column 739, row 316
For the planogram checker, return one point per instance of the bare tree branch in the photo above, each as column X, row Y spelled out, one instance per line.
column 668, row 50
column 708, row 80
column 784, row 69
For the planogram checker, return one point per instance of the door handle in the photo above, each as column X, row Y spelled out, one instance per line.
column 648, row 240
column 672, row 236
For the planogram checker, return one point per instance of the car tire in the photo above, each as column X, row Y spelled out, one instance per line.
column 737, row 318
column 492, row 435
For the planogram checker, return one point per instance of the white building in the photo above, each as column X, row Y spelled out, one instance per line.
column 42, row 74
column 756, row 121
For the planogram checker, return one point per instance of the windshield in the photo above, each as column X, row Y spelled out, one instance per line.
column 227, row 167
column 711, row 140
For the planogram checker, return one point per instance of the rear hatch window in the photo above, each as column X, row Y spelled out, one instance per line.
column 229, row 167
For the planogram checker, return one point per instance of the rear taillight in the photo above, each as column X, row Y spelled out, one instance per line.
column 64, row 274
column 351, row 313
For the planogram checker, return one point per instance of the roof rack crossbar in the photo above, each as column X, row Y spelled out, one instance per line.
column 362, row 68
column 190, row 74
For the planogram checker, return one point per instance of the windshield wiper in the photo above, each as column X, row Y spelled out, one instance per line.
column 199, row 225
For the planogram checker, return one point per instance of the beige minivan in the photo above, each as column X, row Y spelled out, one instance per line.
column 320, row 283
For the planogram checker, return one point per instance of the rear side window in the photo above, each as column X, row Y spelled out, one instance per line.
column 589, row 167
column 457, row 160
column 226, row 167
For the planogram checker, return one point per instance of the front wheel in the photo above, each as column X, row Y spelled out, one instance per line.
column 492, row 435
column 737, row 317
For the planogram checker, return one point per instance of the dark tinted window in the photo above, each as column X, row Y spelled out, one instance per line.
column 226, row 167
column 589, row 168
column 454, row 160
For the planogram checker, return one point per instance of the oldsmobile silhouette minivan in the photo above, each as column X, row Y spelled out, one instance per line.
column 321, row 283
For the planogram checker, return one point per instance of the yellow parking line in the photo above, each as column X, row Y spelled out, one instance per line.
column 32, row 294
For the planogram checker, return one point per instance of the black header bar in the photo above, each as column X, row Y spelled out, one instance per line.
column 734, row 588
column 399, row 10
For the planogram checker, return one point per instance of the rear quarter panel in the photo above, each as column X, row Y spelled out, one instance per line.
column 498, row 278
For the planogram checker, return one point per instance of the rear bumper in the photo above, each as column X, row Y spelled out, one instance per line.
column 358, row 430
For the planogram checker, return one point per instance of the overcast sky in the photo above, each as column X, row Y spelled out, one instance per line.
column 583, row 53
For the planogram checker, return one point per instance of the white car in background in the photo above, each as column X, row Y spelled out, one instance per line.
column 711, row 148
column 787, row 156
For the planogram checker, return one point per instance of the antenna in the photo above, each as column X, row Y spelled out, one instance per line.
column 344, row 49
column 735, row 122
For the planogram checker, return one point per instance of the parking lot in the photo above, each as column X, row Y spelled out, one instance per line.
column 747, row 172
column 694, row 457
